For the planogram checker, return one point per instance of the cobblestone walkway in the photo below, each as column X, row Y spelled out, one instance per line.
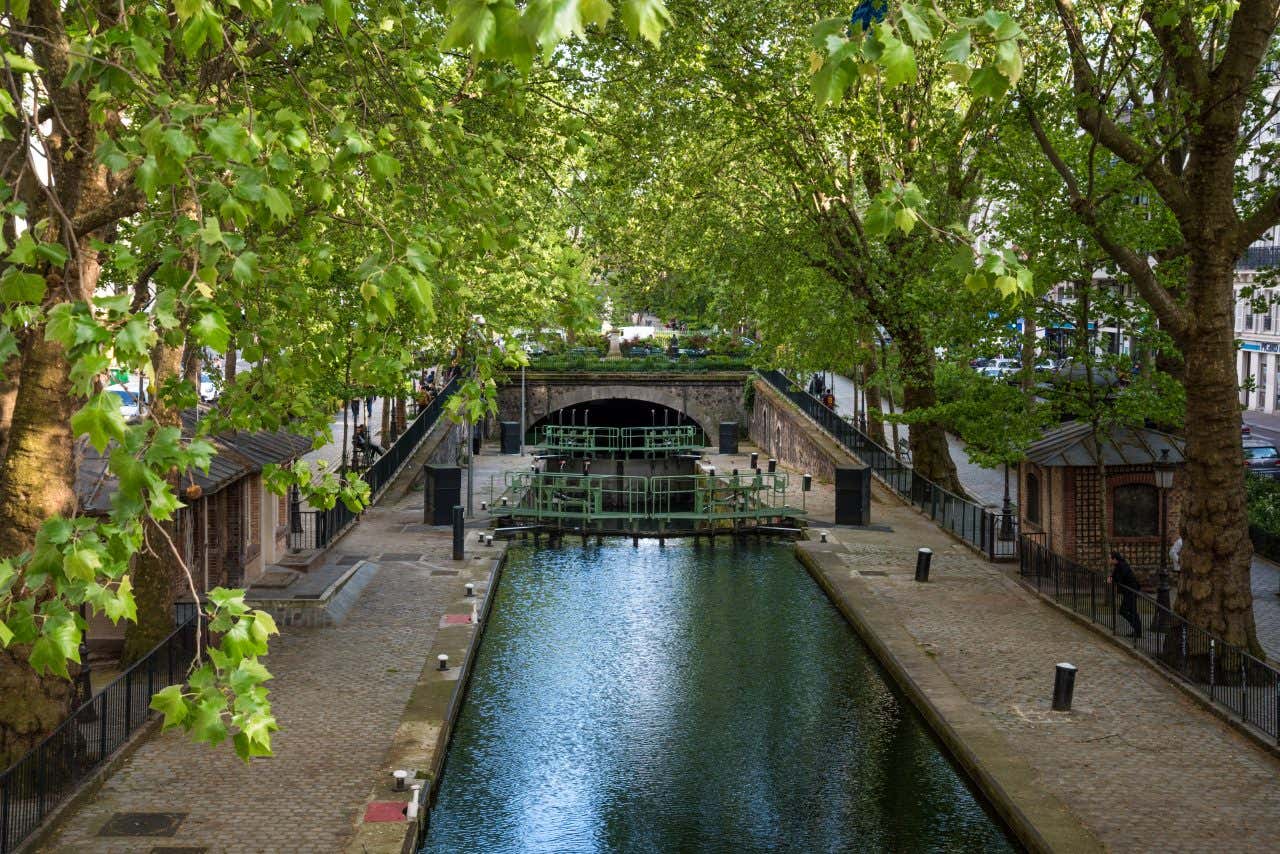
column 1265, row 578
column 338, row 693
column 1141, row 764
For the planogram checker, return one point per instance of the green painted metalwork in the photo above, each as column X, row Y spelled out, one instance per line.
column 649, row 442
column 632, row 502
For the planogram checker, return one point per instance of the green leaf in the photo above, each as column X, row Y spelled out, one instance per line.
column 646, row 18
column 472, row 28
column 148, row 175
column 905, row 220
column 339, row 13
column 122, row 605
column 20, row 63
column 19, row 287
column 897, row 58
column 879, row 219
column 211, row 330
column 384, row 166
column 24, row 249
column 100, row 419
column 918, row 22
column 211, row 233
column 987, row 82
column 278, row 203
column 45, row 657
column 597, row 12
column 207, row 724
column 245, row 268
column 170, row 703
column 6, row 635
column 187, row 9
column 1009, row 60
column 135, row 338
column 82, row 564
column 958, row 45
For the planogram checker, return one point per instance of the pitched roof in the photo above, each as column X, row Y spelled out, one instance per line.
column 1072, row 445
column 237, row 454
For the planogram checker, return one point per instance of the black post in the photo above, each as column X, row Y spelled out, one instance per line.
column 458, row 532
column 1064, row 685
column 923, row 558
column 755, row 460
column 773, row 465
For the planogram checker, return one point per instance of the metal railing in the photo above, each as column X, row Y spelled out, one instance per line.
column 575, row 440
column 993, row 533
column 315, row 529
column 39, row 782
column 1224, row 673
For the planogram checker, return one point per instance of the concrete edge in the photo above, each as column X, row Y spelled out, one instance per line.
column 1037, row 818
column 88, row 788
column 1222, row 713
column 405, row 838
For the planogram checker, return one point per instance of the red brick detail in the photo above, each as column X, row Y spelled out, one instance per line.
column 385, row 811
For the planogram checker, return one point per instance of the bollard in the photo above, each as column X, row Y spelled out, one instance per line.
column 411, row 811
column 773, row 465
column 923, row 558
column 484, row 506
column 504, row 501
column 807, row 482
column 401, row 775
column 755, row 460
column 488, row 540
column 470, row 588
column 444, row 661
column 458, row 533
column 1064, row 684
column 822, row 536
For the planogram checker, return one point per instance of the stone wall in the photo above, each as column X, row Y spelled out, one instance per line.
column 783, row 432
column 706, row 398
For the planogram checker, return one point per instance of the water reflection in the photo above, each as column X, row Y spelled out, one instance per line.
column 688, row 698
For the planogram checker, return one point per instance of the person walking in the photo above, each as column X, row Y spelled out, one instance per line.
column 1122, row 576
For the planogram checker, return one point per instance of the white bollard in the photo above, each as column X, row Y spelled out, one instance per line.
column 470, row 588
column 444, row 661
column 401, row 775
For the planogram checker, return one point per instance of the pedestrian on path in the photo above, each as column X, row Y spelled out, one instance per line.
column 1122, row 576
column 368, row 407
column 1175, row 555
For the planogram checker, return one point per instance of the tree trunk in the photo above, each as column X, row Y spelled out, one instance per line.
column 930, row 453
column 8, row 396
column 384, row 434
column 156, row 572
column 1213, row 589
column 30, row 706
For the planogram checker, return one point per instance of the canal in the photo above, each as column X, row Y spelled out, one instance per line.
column 688, row 698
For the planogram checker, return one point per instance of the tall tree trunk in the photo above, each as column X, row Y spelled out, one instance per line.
column 9, row 372
column 875, row 412
column 930, row 453
column 1213, row 588
column 156, row 572
column 229, row 369
column 385, row 427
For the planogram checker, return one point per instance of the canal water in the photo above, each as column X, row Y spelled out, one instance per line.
column 688, row 698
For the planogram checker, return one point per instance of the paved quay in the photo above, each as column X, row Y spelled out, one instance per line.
column 338, row 693
column 1137, row 763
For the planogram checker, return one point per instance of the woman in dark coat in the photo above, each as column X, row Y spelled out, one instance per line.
column 1123, row 577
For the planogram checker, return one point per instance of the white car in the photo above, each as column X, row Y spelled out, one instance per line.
column 130, row 406
column 208, row 391
column 1001, row 368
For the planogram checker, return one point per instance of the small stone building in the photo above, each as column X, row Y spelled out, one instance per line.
column 1059, row 501
column 231, row 532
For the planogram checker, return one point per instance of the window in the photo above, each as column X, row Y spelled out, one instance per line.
column 1135, row 510
column 1033, row 498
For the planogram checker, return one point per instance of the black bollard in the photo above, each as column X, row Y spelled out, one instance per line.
column 458, row 532
column 923, row 558
column 755, row 460
column 773, row 465
column 1064, row 685
column 806, row 482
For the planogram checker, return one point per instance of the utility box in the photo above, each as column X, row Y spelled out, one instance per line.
column 728, row 437
column 442, row 490
column 853, row 495
column 510, row 437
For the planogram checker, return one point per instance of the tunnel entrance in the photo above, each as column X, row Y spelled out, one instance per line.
column 619, row 412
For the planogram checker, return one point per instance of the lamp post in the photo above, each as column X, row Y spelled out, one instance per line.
column 1163, row 470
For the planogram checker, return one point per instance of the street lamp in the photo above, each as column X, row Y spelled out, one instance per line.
column 1006, row 510
column 1163, row 470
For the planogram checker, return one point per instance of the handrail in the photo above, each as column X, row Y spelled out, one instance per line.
column 1224, row 673
column 990, row 532
column 49, row 773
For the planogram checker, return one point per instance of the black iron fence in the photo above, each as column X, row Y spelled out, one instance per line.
column 993, row 533
column 1226, row 674
column 315, row 529
column 37, row 783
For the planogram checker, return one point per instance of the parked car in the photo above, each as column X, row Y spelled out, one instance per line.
column 208, row 391
column 1262, row 458
column 1245, row 430
column 130, row 406
column 1001, row 368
